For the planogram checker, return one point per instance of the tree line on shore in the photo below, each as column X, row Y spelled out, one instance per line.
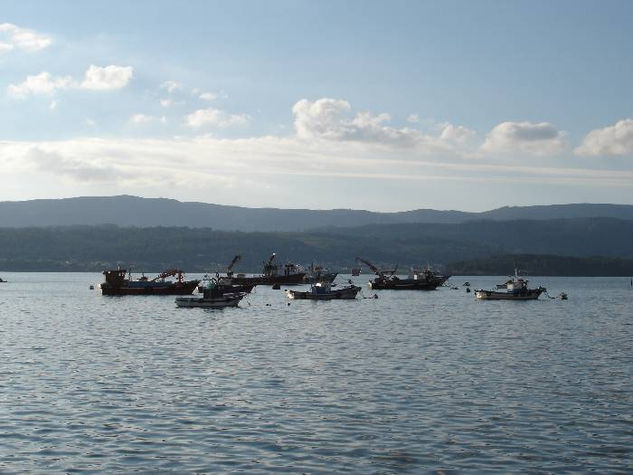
column 558, row 247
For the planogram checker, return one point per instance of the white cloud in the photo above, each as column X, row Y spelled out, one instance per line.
column 458, row 135
column 615, row 139
column 107, row 78
column 166, row 102
column 96, row 78
column 145, row 119
column 52, row 105
column 42, row 83
column 216, row 118
column 185, row 165
column 171, row 86
column 208, row 96
column 22, row 39
column 413, row 118
column 525, row 138
column 331, row 119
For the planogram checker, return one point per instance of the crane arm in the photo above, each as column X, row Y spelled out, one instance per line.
column 370, row 265
column 168, row 273
column 235, row 260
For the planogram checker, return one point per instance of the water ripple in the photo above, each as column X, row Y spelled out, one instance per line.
column 409, row 382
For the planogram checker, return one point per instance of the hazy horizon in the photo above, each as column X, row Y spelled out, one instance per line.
column 315, row 209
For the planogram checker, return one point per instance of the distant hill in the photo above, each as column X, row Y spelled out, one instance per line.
column 147, row 212
column 202, row 249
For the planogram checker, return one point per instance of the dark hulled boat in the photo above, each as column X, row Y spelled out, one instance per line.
column 116, row 283
column 425, row 280
column 273, row 274
column 317, row 274
column 416, row 280
column 324, row 291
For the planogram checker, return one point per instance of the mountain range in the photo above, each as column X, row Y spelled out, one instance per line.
column 135, row 211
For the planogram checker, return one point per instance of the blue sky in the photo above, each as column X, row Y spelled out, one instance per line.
column 375, row 105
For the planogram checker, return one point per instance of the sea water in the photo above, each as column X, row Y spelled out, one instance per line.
column 408, row 382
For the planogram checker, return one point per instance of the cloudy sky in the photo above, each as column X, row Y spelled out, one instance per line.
column 389, row 105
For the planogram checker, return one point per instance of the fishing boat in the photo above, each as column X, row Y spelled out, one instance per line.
column 416, row 280
column 116, row 283
column 226, row 280
column 288, row 274
column 515, row 289
column 316, row 274
column 324, row 291
column 215, row 295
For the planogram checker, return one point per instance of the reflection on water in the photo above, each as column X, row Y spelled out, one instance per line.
column 409, row 381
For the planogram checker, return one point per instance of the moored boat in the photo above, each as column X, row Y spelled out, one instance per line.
column 416, row 280
column 215, row 295
column 318, row 274
column 324, row 291
column 289, row 274
column 515, row 289
column 116, row 283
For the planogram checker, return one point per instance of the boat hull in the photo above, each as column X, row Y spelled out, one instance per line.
column 173, row 288
column 348, row 293
column 291, row 279
column 230, row 288
column 407, row 284
column 531, row 294
column 221, row 302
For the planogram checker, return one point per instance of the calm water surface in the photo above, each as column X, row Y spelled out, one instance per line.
column 409, row 382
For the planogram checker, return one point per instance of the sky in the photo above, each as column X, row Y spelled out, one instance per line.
column 378, row 105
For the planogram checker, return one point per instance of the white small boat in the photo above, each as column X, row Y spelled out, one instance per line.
column 226, row 300
column 515, row 289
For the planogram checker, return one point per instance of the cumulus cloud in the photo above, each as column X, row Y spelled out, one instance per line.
column 525, row 138
column 216, row 118
column 43, row 83
column 332, row 119
column 458, row 135
column 106, row 78
column 329, row 119
column 13, row 37
column 615, row 139
column 96, row 78
column 413, row 118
